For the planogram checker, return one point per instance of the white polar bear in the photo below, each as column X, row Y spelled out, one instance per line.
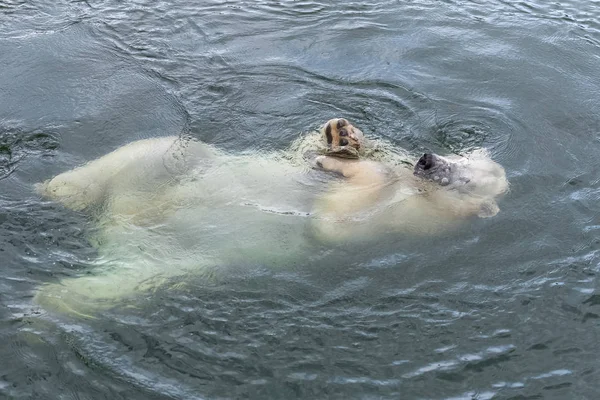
column 169, row 207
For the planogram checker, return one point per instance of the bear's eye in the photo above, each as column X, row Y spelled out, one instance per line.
column 343, row 132
column 343, row 142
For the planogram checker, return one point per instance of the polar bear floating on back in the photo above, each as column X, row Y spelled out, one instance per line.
column 168, row 207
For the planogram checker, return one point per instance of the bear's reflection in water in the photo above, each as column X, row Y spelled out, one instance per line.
column 169, row 207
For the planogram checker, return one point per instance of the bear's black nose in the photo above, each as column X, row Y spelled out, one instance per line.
column 426, row 161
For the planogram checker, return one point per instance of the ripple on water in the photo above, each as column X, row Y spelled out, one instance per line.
column 16, row 144
column 76, row 86
column 506, row 307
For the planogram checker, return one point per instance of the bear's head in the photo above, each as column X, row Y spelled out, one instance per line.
column 476, row 173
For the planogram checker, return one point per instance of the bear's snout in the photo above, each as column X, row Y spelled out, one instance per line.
column 426, row 161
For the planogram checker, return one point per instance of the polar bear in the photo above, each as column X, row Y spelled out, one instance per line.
column 165, row 208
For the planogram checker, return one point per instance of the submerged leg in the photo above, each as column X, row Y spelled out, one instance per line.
column 112, row 286
column 86, row 186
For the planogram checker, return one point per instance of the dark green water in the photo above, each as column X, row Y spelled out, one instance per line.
column 505, row 308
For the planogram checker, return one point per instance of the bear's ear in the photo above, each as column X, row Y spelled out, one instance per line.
column 488, row 209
